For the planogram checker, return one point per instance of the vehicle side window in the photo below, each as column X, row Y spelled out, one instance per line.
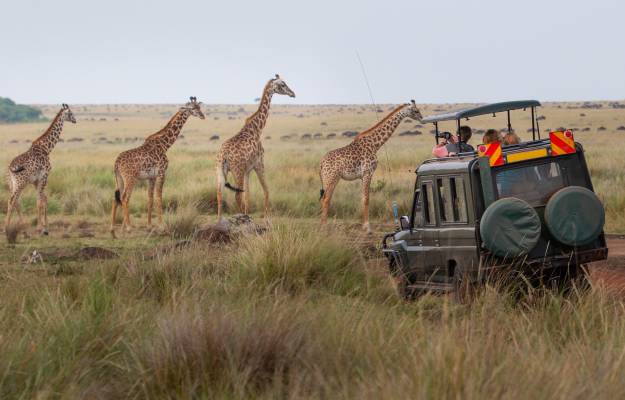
column 459, row 202
column 418, row 212
column 427, row 193
column 444, row 196
column 451, row 199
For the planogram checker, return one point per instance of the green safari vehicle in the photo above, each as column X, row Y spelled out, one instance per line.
column 528, row 207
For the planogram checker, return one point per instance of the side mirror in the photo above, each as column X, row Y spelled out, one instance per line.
column 404, row 222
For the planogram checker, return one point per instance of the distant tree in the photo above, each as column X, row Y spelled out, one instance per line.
column 11, row 112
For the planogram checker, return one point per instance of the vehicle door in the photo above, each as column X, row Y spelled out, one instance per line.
column 426, row 244
column 457, row 241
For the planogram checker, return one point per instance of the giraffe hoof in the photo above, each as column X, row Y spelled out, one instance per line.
column 44, row 232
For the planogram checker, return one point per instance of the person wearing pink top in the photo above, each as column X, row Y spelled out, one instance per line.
column 450, row 147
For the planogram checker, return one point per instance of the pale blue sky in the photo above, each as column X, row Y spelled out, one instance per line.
column 124, row 51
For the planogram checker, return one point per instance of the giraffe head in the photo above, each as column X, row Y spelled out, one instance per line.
column 412, row 111
column 278, row 86
column 68, row 115
column 193, row 106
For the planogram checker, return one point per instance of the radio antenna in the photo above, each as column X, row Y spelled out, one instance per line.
column 375, row 108
column 364, row 75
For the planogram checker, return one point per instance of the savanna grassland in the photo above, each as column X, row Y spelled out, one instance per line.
column 295, row 312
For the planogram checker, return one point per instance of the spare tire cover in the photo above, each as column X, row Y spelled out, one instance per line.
column 574, row 215
column 510, row 227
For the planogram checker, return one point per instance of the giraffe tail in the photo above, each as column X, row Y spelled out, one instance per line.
column 120, row 184
column 233, row 188
column 224, row 177
column 321, row 193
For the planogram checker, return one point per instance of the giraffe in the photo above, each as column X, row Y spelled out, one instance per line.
column 358, row 159
column 149, row 161
column 244, row 152
column 34, row 166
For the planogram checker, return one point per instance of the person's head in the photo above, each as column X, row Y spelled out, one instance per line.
column 491, row 136
column 465, row 133
column 511, row 138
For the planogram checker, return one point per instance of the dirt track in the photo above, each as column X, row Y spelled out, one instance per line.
column 611, row 273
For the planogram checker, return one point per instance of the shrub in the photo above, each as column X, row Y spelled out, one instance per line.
column 11, row 112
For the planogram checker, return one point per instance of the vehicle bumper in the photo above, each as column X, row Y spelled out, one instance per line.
column 572, row 258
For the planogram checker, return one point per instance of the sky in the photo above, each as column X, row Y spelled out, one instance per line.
column 437, row 51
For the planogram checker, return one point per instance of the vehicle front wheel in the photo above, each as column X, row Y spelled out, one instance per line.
column 405, row 287
column 464, row 290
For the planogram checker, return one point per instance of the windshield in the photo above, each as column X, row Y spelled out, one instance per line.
column 533, row 183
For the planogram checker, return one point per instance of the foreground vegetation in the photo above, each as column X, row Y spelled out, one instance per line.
column 292, row 313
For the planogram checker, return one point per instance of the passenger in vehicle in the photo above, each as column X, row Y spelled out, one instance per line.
column 450, row 147
column 511, row 138
column 491, row 136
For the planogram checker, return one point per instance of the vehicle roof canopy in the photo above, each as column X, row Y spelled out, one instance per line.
column 482, row 110
column 445, row 165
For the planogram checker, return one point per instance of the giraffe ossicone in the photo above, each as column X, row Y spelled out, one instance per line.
column 358, row 160
column 244, row 152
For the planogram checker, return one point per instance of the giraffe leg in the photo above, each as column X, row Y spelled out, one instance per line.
column 327, row 196
column 129, row 185
column 160, row 181
column 246, row 193
column 239, row 178
column 13, row 204
column 42, row 206
column 119, row 189
column 18, row 208
column 150, row 199
column 260, row 173
column 220, row 185
column 366, row 184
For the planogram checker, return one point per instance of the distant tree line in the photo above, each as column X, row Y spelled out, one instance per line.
column 11, row 112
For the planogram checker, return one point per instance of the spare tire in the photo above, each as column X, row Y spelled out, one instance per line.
column 510, row 227
column 574, row 216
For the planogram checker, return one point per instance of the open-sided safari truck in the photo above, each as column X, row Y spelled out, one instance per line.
column 529, row 206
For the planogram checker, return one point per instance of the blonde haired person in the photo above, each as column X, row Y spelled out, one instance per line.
column 491, row 136
column 511, row 138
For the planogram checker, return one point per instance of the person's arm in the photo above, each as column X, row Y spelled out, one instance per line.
column 440, row 150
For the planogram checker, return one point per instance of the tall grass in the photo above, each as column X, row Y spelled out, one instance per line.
column 295, row 313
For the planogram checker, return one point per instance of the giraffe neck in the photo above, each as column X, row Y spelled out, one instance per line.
column 49, row 139
column 383, row 130
column 166, row 137
column 256, row 122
